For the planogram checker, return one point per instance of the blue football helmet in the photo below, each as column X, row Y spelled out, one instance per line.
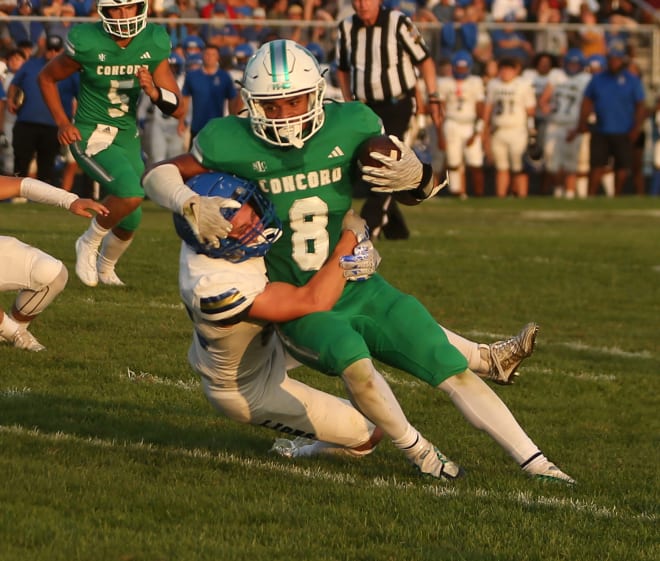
column 461, row 64
column 177, row 63
column 242, row 54
column 596, row 63
column 574, row 62
column 317, row 51
column 256, row 241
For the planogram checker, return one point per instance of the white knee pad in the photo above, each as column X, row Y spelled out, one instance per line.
column 48, row 277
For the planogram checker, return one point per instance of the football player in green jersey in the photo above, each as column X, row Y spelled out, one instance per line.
column 118, row 58
column 301, row 152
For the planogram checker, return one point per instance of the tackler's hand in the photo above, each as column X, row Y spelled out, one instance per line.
column 357, row 225
column 362, row 263
column 204, row 215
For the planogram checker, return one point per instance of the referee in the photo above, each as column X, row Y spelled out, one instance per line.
column 377, row 52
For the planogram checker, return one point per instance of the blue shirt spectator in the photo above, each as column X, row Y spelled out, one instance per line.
column 208, row 88
column 21, row 31
column 33, row 109
column 615, row 97
column 83, row 7
column 509, row 43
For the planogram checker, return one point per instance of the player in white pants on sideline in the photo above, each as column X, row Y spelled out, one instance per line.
column 37, row 276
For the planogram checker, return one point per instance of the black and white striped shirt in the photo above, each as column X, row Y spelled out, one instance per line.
column 381, row 58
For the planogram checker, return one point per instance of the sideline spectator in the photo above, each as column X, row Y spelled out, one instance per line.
column 163, row 136
column 32, row 31
column 15, row 59
column 508, row 42
column 462, row 98
column 616, row 96
column 35, row 130
column 508, row 119
column 461, row 34
column 560, row 101
column 208, row 89
column 59, row 10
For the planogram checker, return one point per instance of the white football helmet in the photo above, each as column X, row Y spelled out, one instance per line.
column 278, row 70
column 125, row 27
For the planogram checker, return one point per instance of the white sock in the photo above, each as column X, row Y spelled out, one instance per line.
column 112, row 249
column 8, row 327
column 485, row 410
column 94, row 234
column 582, row 187
column 470, row 350
column 608, row 183
column 455, row 181
column 536, row 463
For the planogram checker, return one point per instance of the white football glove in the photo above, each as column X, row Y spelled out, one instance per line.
column 203, row 214
column 355, row 224
column 404, row 174
column 362, row 264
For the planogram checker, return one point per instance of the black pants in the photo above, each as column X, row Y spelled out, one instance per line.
column 380, row 210
column 34, row 138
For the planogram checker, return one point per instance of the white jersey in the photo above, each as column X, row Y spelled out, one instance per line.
column 216, row 292
column 243, row 363
column 460, row 97
column 510, row 101
column 566, row 99
column 540, row 82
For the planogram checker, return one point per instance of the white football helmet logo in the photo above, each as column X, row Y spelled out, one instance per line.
column 283, row 69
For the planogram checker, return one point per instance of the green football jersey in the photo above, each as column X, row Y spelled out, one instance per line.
column 109, row 89
column 311, row 187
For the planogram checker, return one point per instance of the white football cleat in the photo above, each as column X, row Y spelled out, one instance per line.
column 553, row 473
column 288, row 448
column 23, row 339
column 504, row 357
column 86, row 263
column 110, row 278
column 301, row 447
column 430, row 461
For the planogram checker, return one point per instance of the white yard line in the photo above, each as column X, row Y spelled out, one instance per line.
column 290, row 469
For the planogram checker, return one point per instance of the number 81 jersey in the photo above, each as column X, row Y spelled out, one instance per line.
column 109, row 88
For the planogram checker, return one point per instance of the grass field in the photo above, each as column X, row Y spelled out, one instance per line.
column 110, row 451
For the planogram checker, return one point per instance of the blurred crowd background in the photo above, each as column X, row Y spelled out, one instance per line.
column 537, row 33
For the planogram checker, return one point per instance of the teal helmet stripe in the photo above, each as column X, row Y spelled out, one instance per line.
column 278, row 63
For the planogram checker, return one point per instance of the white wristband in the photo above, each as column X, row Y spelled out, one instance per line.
column 164, row 186
column 40, row 192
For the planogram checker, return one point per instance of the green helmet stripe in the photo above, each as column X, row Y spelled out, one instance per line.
column 278, row 64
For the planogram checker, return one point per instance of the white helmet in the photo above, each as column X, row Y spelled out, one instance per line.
column 278, row 70
column 126, row 27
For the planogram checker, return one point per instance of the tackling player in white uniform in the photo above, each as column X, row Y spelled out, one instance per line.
column 37, row 276
column 232, row 305
column 562, row 102
column 508, row 118
column 462, row 102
